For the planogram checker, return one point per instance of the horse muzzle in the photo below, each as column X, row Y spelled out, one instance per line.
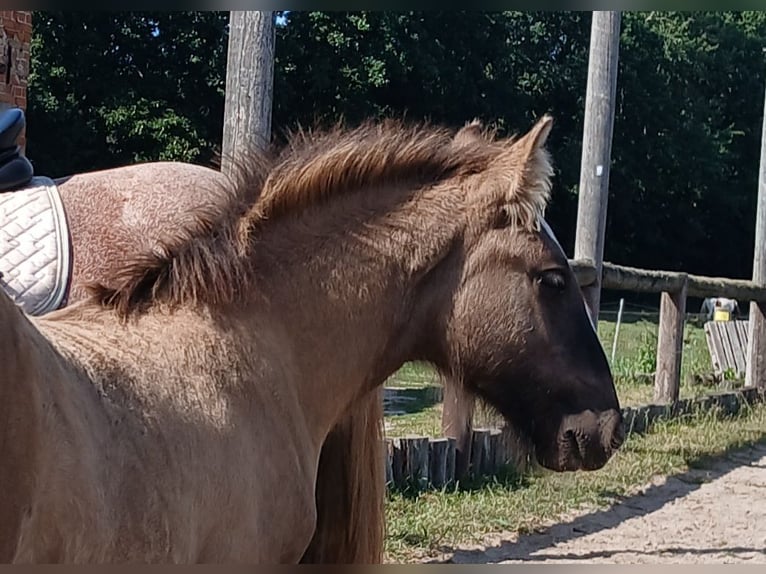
column 584, row 441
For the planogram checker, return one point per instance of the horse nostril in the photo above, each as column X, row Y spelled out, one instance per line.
column 570, row 452
column 573, row 445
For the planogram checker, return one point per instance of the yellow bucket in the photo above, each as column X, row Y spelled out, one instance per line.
column 721, row 315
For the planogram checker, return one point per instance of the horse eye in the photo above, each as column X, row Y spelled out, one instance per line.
column 553, row 279
column 502, row 218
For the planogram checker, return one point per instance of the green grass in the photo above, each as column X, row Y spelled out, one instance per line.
column 426, row 422
column 413, row 375
column 420, row 524
column 636, row 356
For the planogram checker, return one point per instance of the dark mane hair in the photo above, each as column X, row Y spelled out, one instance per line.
column 206, row 261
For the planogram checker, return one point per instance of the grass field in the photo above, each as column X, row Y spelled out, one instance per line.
column 420, row 524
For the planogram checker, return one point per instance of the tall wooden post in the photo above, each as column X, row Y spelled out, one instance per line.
column 755, row 371
column 249, row 83
column 670, row 344
column 597, row 148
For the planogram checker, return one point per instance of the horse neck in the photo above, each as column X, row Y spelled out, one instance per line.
column 346, row 282
column 20, row 418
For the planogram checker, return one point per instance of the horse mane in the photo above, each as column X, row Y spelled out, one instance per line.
column 199, row 261
column 317, row 165
column 206, row 260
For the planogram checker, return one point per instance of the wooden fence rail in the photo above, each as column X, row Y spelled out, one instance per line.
column 623, row 278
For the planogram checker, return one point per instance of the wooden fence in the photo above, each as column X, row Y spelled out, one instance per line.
column 674, row 288
column 424, row 462
column 430, row 463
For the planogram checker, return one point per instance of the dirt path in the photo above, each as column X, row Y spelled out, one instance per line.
column 716, row 515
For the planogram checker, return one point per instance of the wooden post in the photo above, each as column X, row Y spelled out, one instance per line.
column 457, row 423
column 389, row 454
column 450, row 464
column 397, row 463
column 479, row 452
column 416, row 461
column 249, row 84
column 755, row 369
column 670, row 342
column 437, row 462
column 597, row 148
column 495, row 450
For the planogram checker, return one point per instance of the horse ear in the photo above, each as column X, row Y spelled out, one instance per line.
column 535, row 138
column 527, row 155
column 471, row 132
column 526, row 170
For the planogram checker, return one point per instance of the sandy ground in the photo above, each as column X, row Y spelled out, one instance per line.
column 716, row 515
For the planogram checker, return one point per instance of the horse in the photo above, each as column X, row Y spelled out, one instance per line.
column 179, row 415
column 86, row 224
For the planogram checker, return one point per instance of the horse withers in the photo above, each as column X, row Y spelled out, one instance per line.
column 217, row 400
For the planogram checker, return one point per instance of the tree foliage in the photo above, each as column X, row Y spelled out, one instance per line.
column 111, row 88
column 114, row 88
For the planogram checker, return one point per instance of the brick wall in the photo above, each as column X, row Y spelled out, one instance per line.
column 15, row 38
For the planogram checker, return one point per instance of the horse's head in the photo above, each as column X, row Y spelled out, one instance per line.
column 518, row 334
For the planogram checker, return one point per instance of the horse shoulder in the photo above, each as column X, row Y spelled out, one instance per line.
column 199, row 423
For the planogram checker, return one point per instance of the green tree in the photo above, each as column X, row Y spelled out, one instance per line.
column 686, row 141
column 110, row 88
column 505, row 68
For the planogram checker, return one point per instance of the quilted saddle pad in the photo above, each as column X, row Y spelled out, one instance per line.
column 35, row 251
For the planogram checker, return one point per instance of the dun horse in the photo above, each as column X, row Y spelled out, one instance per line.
column 179, row 414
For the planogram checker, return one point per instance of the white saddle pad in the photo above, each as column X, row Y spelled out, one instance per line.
column 35, row 252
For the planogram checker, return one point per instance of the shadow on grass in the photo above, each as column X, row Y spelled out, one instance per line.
column 506, row 477
column 702, row 470
column 410, row 400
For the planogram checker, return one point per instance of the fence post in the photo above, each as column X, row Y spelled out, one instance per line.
column 438, row 460
column 670, row 342
column 480, row 453
column 755, row 367
column 597, row 148
column 249, row 84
